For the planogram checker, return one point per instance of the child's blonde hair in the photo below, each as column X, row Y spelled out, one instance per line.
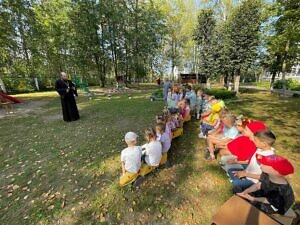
column 224, row 111
column 161, row 127
column 150, row 133
column 231, row 118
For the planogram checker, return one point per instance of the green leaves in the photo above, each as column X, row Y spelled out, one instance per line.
column 204, row 38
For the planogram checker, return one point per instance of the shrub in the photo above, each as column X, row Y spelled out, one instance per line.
column 158, row 93
column 290, row 84
column 220, row 93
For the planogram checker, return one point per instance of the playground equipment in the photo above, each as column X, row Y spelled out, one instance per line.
column 83, row 85
column 10, row 98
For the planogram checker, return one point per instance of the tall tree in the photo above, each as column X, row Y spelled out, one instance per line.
column 287, row 38
column 204, row 35
column 243, row 37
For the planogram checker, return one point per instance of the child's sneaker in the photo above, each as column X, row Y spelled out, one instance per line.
column 201, row 135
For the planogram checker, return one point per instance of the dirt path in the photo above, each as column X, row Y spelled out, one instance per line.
column 24, row 108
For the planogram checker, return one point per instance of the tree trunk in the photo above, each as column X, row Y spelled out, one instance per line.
column 103, row 76
column 208, row 83
column 226, row 81
column 2, row 86
column 287, row 46
column 99, row 68
column 237, row 78
column 273, row 79
column 222, row 80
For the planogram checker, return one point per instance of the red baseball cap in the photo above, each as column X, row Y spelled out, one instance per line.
column 278, row 163
column 256, row 126
column 242, row 147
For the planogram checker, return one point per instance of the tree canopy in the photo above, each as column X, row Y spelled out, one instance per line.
column 101, row 41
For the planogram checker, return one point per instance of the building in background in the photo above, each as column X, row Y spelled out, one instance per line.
column 294, row 74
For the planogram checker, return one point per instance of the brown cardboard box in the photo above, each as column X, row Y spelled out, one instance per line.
column 237, row 211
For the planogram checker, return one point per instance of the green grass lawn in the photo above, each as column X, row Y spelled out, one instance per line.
column 54, row 172
column 263, row 84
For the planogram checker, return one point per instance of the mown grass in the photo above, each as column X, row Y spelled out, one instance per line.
column 54, row 172
column 264, row 84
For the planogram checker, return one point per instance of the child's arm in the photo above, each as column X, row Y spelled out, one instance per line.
column 243, row 173
column 253, row 188
column 123, row 168
column 223, row 143
column 235, row 161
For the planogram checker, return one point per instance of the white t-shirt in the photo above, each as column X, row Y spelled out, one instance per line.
column 253, row 167
column 131, row 157
column 153, row 152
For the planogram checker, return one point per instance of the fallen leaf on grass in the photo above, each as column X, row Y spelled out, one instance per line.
column 63, row 204
column 15, row 187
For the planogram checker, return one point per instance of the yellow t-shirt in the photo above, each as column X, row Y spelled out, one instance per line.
column 212, row 118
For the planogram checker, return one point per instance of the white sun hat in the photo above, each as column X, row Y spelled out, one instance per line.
column 130, row 136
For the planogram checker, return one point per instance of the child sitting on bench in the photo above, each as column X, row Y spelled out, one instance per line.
column 211, row 122
column 131, row 159
column 239, row 151
column 221, row 140
column 272, row 194
column 165, row 141
column 152, row 152
column 242, row 179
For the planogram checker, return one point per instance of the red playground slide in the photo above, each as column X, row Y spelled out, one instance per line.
column 15, row 100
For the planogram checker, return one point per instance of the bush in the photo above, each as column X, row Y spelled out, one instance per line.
column 220, row 93
column 158, row 93
column 18, row 85
column 290, row 84
column 296, row 88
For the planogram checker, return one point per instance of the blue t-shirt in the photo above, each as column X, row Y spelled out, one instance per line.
column 231, row 133
column 192, row 97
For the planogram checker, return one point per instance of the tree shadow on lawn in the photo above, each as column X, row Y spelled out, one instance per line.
column 62, row 159
column 162, row 197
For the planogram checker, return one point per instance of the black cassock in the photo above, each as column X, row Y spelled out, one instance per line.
column 68, row 103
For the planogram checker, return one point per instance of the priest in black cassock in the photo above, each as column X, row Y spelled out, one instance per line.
column 67, row 91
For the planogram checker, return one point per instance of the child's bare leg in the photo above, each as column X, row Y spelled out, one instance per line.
column 224, row 151
column 211, row 147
